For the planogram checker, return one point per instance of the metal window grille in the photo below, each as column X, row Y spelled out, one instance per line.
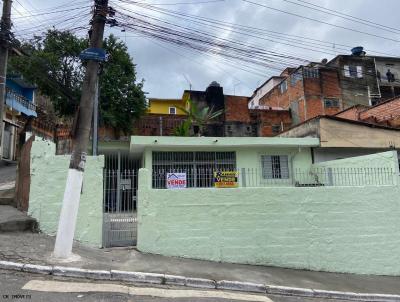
column 331, row 103
column 198, row 166
column 311, row 72
column 275, row 166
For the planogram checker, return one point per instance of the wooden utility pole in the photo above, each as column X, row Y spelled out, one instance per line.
column 69, row 210
column 5, row 39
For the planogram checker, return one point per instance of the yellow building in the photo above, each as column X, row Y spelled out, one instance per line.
column 166, row 106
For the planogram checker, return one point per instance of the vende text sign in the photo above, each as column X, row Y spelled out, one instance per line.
column 226, row 179
column 176, row 181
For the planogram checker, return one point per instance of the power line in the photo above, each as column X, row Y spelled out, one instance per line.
column 347, row 15
column 320, row 21
column 343, row 16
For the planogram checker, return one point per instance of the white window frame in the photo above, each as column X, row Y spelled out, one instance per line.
column 174, row 109
column 275, row 166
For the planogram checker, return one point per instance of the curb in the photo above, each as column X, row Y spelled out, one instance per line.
column 163, row 279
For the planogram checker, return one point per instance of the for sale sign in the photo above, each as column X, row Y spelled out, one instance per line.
column 226, row 179
column 176, row 181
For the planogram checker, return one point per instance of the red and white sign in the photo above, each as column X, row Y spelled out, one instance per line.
column 176, row 181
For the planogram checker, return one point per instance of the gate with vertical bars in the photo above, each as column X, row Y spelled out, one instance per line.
column 120, row 184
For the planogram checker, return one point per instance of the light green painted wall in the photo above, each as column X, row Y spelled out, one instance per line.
column 337, row 229
column 382, row 168
column 48, row 178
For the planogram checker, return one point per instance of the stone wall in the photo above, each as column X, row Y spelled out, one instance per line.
column 48, row 179
column 335, row 229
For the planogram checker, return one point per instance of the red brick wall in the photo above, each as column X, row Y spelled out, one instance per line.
column 268, row 118
column 352, row 113
column 150, row 124
column 384, row 111
column 236, row 109
column 277, row 99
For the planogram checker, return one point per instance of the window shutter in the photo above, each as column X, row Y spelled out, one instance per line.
column 359, row 72
column 347, row 71
column 284, row 166
column 266, row 164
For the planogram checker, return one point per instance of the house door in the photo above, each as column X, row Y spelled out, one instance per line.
column 120, row 197
column 7, row 141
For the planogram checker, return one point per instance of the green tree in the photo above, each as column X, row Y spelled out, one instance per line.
column 52, row 63
column 198, row 117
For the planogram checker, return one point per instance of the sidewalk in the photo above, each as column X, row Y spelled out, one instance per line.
column 36, row 249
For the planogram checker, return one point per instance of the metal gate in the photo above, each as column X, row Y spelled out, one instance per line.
column 120, row 197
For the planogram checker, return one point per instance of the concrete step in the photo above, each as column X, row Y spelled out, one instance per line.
column 7, row 194
column 12, row 220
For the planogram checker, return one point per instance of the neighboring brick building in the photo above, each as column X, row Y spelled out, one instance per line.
column 386, row 113
column 238, row 120
column 308, row 91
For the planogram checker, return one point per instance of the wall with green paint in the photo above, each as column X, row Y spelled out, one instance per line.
column 336, row 229
column 48, row 178
column 381, row 168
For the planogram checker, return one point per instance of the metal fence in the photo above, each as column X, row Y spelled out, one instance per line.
column 198, row 177
column 316, row 177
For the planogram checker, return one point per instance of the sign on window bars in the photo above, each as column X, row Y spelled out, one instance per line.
column 176, row 181
column 226, row 179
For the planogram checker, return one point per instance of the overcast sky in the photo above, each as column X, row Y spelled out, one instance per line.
column 167, row 70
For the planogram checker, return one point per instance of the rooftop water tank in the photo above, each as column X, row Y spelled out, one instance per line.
column 358, row 51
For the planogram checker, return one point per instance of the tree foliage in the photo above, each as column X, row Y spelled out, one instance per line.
column 197, row 117
column 52, row 63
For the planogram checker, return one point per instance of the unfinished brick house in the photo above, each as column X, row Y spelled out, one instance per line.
column 308, row 91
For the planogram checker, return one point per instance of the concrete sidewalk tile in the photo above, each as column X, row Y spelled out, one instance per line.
column 174, row 280
column 38, row 269
column 98, row 274
column 200, row 282
column 69, row 271
column 289, row 291
column 241, row 286
column 8, row 265
column 137, row 277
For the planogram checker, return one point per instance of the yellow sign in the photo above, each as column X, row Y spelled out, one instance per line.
column 226, row 179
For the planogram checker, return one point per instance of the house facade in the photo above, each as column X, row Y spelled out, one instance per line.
column 166, row 106
column 308, row 91
column 20, row 107
column 344, row 138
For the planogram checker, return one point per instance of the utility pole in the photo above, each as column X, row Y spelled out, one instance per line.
column 95, row 120
column 5, row 39
column 70, row 205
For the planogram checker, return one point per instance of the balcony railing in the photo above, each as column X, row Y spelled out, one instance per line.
column 14, row 99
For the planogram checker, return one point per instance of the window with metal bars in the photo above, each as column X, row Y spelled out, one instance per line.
column 275, row 166
column 198, row 166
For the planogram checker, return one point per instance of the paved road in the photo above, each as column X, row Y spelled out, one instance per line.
column 49, row 288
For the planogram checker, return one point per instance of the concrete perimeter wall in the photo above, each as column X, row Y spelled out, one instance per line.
column 48, row 178
column 336, row 229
